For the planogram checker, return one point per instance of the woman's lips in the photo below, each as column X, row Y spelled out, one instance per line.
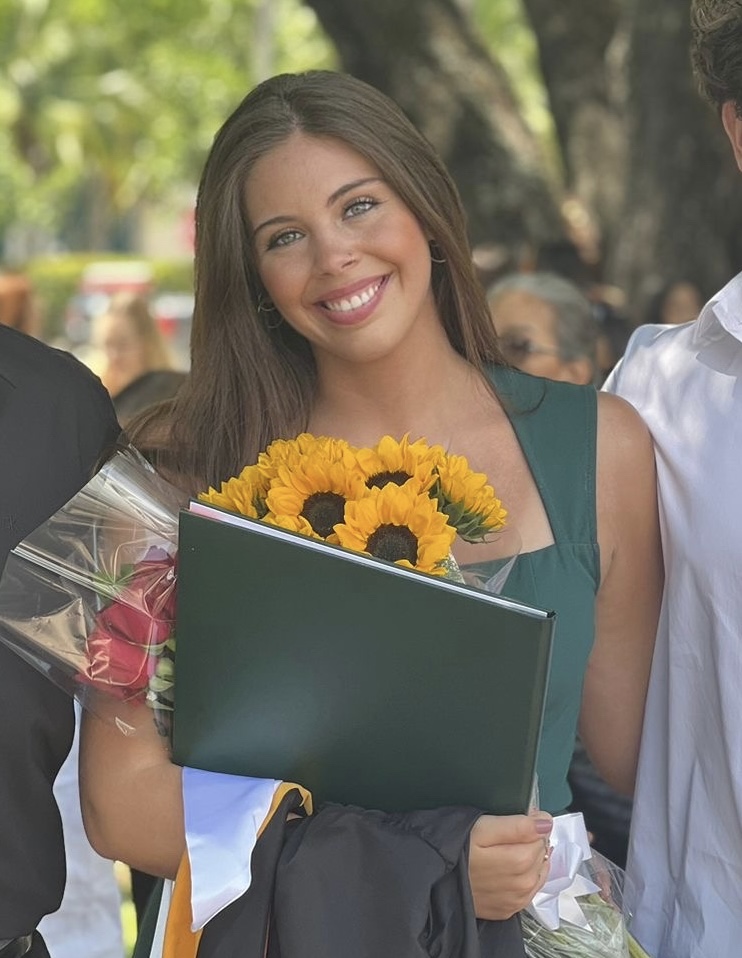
column 352, row 305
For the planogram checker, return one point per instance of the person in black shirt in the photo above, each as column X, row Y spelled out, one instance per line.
column 56, row 420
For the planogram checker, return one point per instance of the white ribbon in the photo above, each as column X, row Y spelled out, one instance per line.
column 222, row 816
column 557, row 900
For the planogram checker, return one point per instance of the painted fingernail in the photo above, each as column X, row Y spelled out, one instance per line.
column 543, row 825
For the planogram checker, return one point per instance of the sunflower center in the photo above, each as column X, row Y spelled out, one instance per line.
column 393, row 543
column 323, row 511
column 381, row 479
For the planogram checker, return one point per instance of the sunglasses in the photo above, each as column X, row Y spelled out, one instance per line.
column 519, row 349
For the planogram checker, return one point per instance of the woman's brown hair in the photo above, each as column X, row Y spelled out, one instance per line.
column 252, row 377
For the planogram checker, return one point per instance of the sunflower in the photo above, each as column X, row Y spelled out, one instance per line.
column 399, row 524
column 309, row 492
column 400, row 462
column 244, row 493
column 292, row 452
column 467, row 499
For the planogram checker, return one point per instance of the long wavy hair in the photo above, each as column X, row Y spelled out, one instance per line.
column 253, row 380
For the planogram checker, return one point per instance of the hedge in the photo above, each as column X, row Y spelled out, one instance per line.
column 56, row 280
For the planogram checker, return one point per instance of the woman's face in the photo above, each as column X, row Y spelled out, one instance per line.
column 341, row 257
column 124, row 352
column 526, row 327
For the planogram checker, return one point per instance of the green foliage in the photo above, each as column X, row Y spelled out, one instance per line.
column 107, row 106
column 506, row 31
column 113, row 104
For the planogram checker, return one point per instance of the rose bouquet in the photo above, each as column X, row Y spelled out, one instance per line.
column 89, row 597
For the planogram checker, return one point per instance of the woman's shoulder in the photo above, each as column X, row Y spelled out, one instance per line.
column 614, row 415
column 626, row 475
column 621, row 426
column 528, row 391
column 551, row 413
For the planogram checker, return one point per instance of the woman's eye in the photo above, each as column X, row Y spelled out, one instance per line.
column 284, row 238
column 361, row 205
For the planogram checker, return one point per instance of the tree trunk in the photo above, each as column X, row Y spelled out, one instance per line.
column 682, row 214
column 424, row 55
column 640, row 148
column 581, row 50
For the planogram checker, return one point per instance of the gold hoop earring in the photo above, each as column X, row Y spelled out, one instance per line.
column 433, row 251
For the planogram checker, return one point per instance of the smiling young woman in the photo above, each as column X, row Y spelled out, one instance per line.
column 336, row 294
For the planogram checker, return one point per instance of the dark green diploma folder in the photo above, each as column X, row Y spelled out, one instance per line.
column 367, row 683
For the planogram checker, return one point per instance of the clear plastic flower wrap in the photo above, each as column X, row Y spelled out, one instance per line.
column 593, row 921
column 88, row 598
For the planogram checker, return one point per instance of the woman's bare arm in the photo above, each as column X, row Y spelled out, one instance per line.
column 130, row 791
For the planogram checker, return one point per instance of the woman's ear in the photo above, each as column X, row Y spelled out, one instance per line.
column 733, row 126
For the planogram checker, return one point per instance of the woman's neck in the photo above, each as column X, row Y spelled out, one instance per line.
column 424, row 396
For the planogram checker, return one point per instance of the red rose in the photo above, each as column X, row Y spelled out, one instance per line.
column 122, row 667
column 124, row 644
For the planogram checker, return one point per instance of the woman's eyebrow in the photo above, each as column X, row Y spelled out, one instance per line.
column 274, row 221
column 351, row 186
column 333, row 198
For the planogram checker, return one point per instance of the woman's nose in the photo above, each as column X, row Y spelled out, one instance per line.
column 334, row 253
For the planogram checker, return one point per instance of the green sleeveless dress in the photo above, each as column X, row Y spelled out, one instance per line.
column 556, row 426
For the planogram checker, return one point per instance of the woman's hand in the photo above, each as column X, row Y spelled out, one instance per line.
column 508, row 862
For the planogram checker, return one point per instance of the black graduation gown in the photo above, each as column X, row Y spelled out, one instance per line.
column 349, row 881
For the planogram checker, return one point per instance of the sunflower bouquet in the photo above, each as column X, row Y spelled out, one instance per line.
column 401, row 501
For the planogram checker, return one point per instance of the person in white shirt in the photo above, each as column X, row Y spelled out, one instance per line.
column 685, row 856
column 88, row 922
